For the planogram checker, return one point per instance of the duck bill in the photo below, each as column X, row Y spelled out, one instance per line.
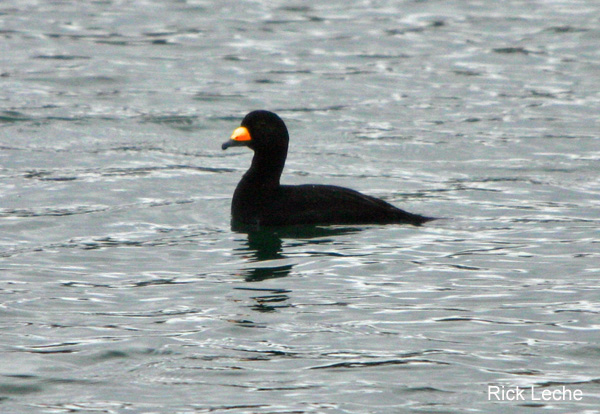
column 239, row 138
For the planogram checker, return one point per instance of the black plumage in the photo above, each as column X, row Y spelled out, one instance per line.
column 260, row 200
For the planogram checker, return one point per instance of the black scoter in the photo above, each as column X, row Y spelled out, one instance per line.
column 260, row 200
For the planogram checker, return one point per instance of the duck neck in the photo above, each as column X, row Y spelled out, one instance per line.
column 266, row 169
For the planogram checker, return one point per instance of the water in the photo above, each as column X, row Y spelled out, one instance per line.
column 123, row 288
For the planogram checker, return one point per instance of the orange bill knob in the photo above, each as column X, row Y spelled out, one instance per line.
column 240, row 137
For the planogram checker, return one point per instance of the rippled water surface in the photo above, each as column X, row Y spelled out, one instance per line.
column 123, row 288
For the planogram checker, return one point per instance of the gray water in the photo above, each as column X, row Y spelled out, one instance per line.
column 124, row 290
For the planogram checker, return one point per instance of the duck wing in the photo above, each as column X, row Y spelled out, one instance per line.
column 328, row 204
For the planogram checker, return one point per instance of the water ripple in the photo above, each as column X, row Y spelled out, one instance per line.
column 123, row 278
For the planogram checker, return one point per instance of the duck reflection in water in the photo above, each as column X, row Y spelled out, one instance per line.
column 266, row 245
